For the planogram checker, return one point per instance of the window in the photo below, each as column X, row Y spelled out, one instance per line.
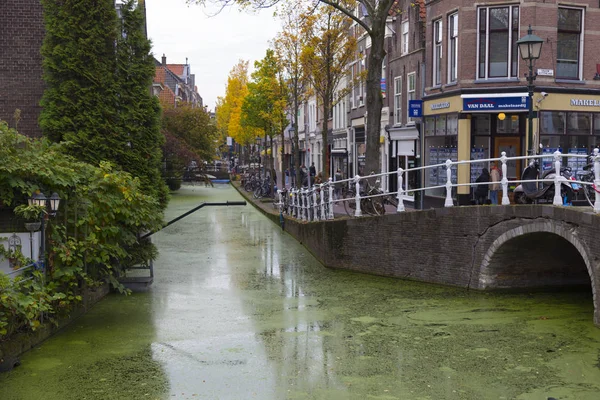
column 452, row 47
column 568, row 45
column 437, row 52
column 498, row 35
column 398, row 101
column 410, row 94
column 404, row 49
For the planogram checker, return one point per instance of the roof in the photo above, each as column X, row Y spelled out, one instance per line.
column 177, row 69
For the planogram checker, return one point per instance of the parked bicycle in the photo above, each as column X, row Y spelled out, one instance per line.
column 368, row 205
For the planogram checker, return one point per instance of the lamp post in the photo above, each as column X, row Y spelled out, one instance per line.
column 530, row 47
column 53, row 201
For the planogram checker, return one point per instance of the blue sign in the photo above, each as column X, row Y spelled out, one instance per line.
column 415, row 108
column 496, row 103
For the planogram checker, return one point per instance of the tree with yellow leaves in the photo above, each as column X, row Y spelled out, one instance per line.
column 229, row 108
column 325, row 59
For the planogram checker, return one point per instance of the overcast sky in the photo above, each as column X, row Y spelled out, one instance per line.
column 213, row 45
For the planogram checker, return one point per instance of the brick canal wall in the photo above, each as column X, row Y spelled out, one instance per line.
column 478, row 247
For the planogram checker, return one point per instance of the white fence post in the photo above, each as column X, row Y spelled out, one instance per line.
column 597, row 181
column 357, row 211
column 449, row 202
column 504, row 180
column 293, row 203
column 330, row 214
column 400, row 191
column 315, row 216
column 280, row 200
column 304, row 205
column 323, row 217
column 558, row 201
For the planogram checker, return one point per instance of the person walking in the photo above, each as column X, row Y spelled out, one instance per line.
column 287, row 177
column 495, row 186
column 313, row 170
column 481, row 192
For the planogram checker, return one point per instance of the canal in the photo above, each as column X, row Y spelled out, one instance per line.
column 240, row 310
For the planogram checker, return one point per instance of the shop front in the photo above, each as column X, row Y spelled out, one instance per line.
column 402, row 154
column 474, row 127
column 569, row 123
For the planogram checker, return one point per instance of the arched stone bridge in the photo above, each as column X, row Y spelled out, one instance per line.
column 478, row 247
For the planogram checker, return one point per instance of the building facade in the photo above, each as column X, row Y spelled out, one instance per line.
column 476, row 102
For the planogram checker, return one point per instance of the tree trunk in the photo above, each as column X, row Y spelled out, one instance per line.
column 324, row 131
column 374, row 98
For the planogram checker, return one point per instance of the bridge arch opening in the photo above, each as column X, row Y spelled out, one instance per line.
column 539, row 256
column 537, row 260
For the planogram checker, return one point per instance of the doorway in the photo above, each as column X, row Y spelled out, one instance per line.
column 410, row 179
column 512, row 147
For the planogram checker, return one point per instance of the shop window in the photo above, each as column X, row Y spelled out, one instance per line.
column 437, row 52
column 497, row 48
column 480, row 150
column 481, row 124
column 410, row 95
column 568, row 45
column 579, row 124
column 552, row 123
column 596, row 128
column 452, row 124
column 508, row 126
column 398, row 100
column 452, row 47
column 430, row 126
column 440, row 125
column 439, row 148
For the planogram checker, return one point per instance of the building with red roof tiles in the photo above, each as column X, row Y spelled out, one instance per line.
column 174, row 84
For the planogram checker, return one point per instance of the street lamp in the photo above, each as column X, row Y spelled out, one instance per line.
column 530, row 47
column 53, row 201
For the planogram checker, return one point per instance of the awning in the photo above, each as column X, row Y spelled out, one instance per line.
column 408, row 133
column 339, row 153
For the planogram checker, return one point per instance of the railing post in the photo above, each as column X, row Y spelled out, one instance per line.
column 330, row 214
column 597, row 180
column 280, row 200
column 323, row 217
column 400, row 191
column 448, row 202
column 357, row 211
column 558, row 201
column 303, row 209
column 315, row 216
column 292, row 201
column 504, row 180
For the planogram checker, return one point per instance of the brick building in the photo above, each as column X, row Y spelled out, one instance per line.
column 21, row 85
column 476, row 102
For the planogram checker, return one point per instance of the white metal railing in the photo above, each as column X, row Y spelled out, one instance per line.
column 317, row 202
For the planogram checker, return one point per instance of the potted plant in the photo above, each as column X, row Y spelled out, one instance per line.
column 32, row 215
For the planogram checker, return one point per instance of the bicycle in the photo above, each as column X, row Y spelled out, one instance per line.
column 370, row 205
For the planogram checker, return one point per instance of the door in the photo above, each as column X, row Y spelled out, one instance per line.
column 512, row 147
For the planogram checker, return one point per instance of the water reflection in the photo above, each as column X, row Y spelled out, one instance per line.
column 240, row 310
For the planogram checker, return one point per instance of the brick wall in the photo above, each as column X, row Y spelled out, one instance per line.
column 21, row 84
column 472, row 247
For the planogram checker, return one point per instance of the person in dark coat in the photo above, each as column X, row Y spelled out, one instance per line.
column 481, row 192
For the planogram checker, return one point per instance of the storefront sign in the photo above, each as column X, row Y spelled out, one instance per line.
column 496, row 103
column 589, row 103
column 416, row 108
column 438, row 106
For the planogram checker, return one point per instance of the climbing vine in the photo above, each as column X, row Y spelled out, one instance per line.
column 94, row 234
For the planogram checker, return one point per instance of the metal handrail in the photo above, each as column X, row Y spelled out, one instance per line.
column 300, row 202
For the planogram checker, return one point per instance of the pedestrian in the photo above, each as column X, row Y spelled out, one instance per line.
column 338, row 186
column 313, row 170
column 481, row 192
column 303, row 175
column 287, row 177
column 318, row 179
column 495, row 186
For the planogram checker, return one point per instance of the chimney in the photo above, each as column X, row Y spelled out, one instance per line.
column 164, row 60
